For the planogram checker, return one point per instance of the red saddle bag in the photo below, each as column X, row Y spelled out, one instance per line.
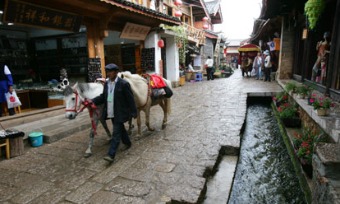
column 156, row 81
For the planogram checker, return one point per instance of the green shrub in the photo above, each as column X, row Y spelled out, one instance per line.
column 303, row 90
column 290, row 86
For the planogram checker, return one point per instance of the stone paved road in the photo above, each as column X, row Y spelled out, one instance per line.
column 162, row 166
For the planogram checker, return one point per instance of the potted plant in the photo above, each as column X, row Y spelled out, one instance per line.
column 322, row 105
column 289, row 115
column 304, row 144
column 290, row 87
column 280, row 98
column 311, row 99
column 303, row 91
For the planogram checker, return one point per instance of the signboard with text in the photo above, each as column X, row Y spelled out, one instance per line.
column 23, row 13
column 134, row 31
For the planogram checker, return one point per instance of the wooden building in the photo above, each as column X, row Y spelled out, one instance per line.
column 38, row 38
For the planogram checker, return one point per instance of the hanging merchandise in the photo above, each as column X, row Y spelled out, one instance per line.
column 313, row 10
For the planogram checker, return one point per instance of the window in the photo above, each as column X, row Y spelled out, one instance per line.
column 186, row 19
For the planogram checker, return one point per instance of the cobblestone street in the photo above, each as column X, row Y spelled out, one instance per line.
column 161, row 166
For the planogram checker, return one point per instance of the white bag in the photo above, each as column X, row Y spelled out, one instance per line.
column 253, row 72
column 12, row 99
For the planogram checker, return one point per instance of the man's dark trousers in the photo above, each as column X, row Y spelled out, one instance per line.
column 210, row 73
column 119, row 133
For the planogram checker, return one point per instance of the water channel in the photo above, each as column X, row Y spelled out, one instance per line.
column 264, row 172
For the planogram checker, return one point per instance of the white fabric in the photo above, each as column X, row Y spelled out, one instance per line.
column 110, row 103
column 6, row 70
column 271, row 45
column 190, row 68
column 267, row 63
column 209, row 62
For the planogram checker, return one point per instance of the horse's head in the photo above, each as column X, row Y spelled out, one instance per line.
column 72, row 102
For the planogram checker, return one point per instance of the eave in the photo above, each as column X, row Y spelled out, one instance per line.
column 111, row 14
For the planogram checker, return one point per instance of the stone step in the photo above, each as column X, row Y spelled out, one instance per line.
column 28, row 117
column 328, row 161
column 53, row 125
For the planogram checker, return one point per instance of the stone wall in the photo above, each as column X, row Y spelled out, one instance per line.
column 285, row 69
column 325, row 185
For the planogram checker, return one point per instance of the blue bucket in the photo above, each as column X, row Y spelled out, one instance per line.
column 36, row 138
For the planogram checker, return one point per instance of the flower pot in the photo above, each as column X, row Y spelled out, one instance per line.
column 307, row 168
column 322, row 112
column 291, row 122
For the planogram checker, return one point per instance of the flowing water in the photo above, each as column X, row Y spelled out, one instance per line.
column 264, row 171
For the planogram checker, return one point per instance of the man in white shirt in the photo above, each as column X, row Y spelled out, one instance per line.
column 209, row 63
column 119, row 106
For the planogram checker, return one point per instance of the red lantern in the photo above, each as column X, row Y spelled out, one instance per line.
column 178, row 13
column 205, row 26
column 178, row 2
column 205, row 19
column 160, row 43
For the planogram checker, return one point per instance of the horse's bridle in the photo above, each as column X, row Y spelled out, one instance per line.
column 86, row 104
column 76, row 108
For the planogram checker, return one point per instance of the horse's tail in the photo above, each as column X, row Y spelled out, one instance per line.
column 168, row 105
column 168, row 100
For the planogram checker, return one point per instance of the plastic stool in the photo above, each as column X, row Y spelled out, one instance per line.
column 199, row 77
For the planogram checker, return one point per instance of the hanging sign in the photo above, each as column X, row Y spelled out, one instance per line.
column 135, row 31
column 23, row 13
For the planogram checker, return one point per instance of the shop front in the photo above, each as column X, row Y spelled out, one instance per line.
column 39, row 38
column 308, row 42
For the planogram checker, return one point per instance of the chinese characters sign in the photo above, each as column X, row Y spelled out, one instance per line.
column 134, row 31
column 28, row 14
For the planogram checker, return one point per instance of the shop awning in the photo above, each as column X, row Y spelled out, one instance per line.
column 249, row 48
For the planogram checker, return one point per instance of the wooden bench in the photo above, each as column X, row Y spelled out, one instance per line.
column 13, row 142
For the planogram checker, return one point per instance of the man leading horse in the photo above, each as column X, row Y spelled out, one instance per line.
column 119, row 106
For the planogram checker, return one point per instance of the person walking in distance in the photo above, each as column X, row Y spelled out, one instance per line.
column 267, row 66
column 257, row 65
column 209, row 63
column 6, row 83
column 119, row 106
column 244, row 64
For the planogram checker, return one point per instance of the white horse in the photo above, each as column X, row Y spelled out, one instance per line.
column 73, row 102
column 142, row 96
